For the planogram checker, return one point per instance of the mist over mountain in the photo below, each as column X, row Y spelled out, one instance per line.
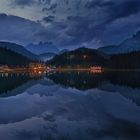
column 128, row 45
column 42, row 47
column 46, row 56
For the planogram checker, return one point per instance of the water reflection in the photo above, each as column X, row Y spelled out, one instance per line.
column 87, row 80
column 79, row 80
column 125, row 82
column 74, row 79
column 10, row 81
column 70, row 105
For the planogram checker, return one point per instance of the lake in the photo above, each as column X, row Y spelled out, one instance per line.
column 70, row 106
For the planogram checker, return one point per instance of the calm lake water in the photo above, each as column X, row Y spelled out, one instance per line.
column 70, row 106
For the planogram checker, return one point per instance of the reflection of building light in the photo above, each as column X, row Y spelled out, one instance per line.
column 84, row 56
column 39, row 72
column 97, row 69
column 6, row 74
column 85, row 82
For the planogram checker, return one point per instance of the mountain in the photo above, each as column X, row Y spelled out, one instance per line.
column 81, row 57
column 18, row 49
column 63, row 51
column 46, row 56
column 46, row 47
column 129, row 45
column 84, row 57
column 11, row 58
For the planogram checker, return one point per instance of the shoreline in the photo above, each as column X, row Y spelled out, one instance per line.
column 28, row 70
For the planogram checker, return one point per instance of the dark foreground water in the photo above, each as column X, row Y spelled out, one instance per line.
column 70, row 106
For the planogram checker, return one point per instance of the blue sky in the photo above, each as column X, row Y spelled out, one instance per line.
column 69, row 23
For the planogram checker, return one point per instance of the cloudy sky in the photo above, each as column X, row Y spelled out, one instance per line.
column 69, row 23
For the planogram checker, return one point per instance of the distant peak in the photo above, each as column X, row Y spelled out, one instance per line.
column 45, row 43
column 137, row 35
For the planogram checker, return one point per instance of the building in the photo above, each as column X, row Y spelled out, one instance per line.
column 96, row 69
column 37, row 66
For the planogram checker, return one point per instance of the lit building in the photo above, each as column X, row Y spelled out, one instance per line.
column 96, row 69
column 37, row 66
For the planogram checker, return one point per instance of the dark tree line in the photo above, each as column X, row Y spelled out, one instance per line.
column 10, row 58
column 88, row 57
column 81, row 57
column 125, row 61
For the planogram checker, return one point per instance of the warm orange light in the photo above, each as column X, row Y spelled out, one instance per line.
column 97, row 69
column 39, row 72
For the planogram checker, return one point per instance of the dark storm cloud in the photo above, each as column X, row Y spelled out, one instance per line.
column 23, row 2
column 20, row 30
column 79, row 29
column 30, row 2
column 49, row 19
column 116, row 9
column 121, row 29
column 111, row 29
column 98, row 3
column 51, row 7
column 125, row 8
column 90, row 20
column 78, row 22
